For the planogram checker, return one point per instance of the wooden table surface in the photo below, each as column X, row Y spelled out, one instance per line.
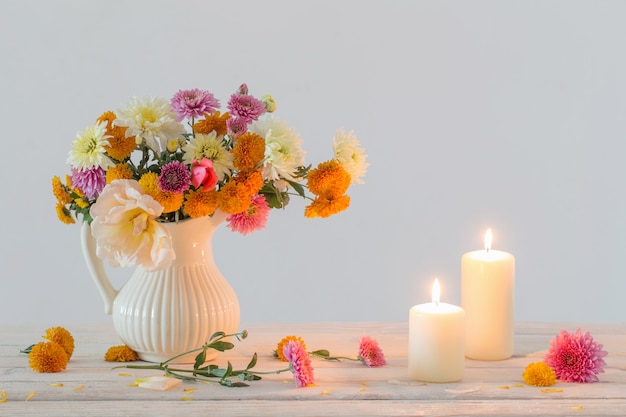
column 92, row 388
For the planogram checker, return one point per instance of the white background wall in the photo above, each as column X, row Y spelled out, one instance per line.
column 475, row 114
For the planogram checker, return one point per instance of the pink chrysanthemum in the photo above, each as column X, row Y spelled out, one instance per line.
column 575, row 357
column 193, row 103
column 299, row 362
column 90, row 181
column 252, row 219
column 245, row 106
column 236, row 126
column 174, row 177
column 370, row 353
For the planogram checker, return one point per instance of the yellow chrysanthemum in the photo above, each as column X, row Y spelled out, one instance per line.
column 120, row 147
column 251, row 180
column 119, row 172
column 539, row 374
column 234, row 197
column 60, row 191
column 170, row 201
column 283, row 342
column 322, row 207
column 64, row 214
column 81, row 201
column 211, row 122
column 329, row 180
column 120, row 353
column 248, row 151
column 199, row 203
column 47, row 357
column 61, row 337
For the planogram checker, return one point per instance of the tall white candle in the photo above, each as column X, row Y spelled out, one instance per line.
column 487, row 284
column 436, row 341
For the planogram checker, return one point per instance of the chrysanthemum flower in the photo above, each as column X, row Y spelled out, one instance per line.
column 119, row 172
column 283, row 342
column 233, row 197
column 81, row 201
column 300, row 363
column 120, row 353
column 199, row 203
column 349, row 153
column 88, row 149
column 283, row 148
column 246, row 107
column 211, row 122
column 251, row 180
column 370, row 353
column 209, row 146
column 248, row 151
column 193, row 103
column 236, row 127
column 539, row 374
column 125, row 228
column 269, row 102
column 576, row 357
column 151, row 118
column 322, row 207
column 47, row 357
column 329, row 180
column 120, row 147
column 90, row 180
column 60, row 191
column 62, row 337
column 253, row 218
column 174, row 177
column 170, row 201
column 64, row 214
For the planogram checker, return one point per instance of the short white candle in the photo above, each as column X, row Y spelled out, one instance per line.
column 487, row 284
column 436, row 341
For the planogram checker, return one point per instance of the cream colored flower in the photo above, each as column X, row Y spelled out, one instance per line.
column 88, row 151
column 151, row 118
column 125, row 228
column 210, row 146
column 350, row 154
column 283, row 148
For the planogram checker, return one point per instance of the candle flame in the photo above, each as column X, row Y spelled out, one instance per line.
column 436, row 292
column 488, row 240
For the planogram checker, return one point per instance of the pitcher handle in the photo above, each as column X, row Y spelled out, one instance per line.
column 96, row 268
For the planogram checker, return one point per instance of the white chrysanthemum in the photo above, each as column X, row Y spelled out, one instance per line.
column 88, row 151
column 210, row 146
column 350, row 154
column 283, row 148
column 125, row 228
column 150, row 119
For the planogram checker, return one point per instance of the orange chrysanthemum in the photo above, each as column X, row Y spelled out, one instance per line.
column 120, row 146
column 248, row 151
column 322, row 207
column 60, row 191
column 47, row 357
column 234, row 197
column 251, row 180
column 64, row 214
column 279, row 348
column 170, row 201
column 539, row 374
column 120, row 353
column 199, row 203
column 61, row 337
column 211, row 122
column 329, row 180
column 119, row 172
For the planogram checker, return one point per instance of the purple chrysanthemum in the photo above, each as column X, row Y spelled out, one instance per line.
column 174, row 177
column 299, row 362
column 236, row 126
column 90, row 181
column 245, row 106
column 575, row 357
column 370, row 353
column 253, row 218
column 193, row 103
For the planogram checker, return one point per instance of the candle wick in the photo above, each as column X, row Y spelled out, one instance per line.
column 487, row 249
column 437, row 303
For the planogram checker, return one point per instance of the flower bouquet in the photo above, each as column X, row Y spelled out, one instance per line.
column 140, row 166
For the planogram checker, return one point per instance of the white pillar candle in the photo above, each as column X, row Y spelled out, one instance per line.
column 436, row 341
column 487, row 284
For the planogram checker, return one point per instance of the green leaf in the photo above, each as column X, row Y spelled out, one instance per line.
column 216, row 335
column 200, row 359
column 27, row 350
column 252, row 362
column 221, row 346
column 298, row 188
column 321, row 353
